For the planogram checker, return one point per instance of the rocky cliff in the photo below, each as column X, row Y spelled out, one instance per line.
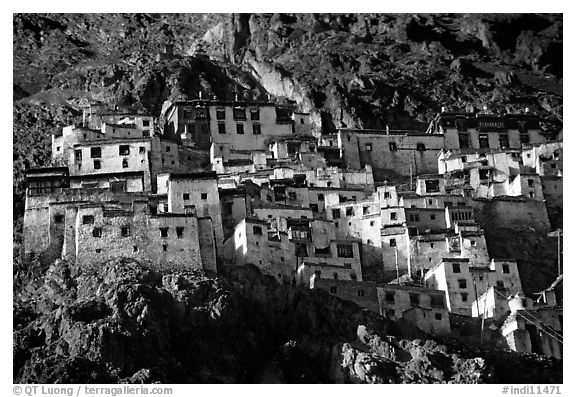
column 354, row 70
column 127, row 323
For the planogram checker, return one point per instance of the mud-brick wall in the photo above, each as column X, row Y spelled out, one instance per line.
column 374, row 150
column 363, row 293
column 144, row 242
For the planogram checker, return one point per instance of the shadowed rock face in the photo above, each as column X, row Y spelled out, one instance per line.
column 129, row 324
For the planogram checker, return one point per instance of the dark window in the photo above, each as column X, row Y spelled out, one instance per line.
column 390, row 313
column 335, row 213
column 392, row 242
column 414, row 300
column 414, row 217
column 204, row 196
column 437, row 301
column 227, row 208
column 345, row 251
column 134, row 248
column 179, row 231
column 361, row 292
column 349, row 211
column 461, row 125
column 461, row 283
column 257, row 230
column 433, row 217
column 165, row 247
column 220, row 114
column 464, row 296
column 240, row 128
column 88, row 220
column 335, row 276
column 163, row 232
column 97, row 232
column 186, row 196
column 393, row 147
column 432, row 186
column 167, row 149
column 301, row 250
column 320, row 197
column 145, row 123
column 145, row 133
column 530, row 182
column 254, row 114
column 333, row 290
column 142, row 149
column 98, row 250
column 420, row 147
column 464, row 141
column 389, row 298
column 438, row 316
column 125, row 163
column 365, row 210
column 504, row 143
column 292, row 195
column 393, row 216
column 95, row 153
column 455, row 268
column 314, row 207
column 58, row 218
column 483, row 140
column 78, row 155
column 239, row 114
column 524, row 138
column 221, row 128
column 506, row 268
column 500, row 284
column 125, row 231
column 124, row 150
column 256, row 129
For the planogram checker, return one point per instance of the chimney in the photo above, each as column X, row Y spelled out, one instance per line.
column 387, row 130
column 199, row 94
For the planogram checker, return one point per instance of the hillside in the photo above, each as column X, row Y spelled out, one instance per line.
column 129, row 324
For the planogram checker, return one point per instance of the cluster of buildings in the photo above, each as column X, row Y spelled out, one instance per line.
column 388, row 219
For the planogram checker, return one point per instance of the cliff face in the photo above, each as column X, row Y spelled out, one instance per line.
column 368, row 70
column 129, row 324
column 354, row 70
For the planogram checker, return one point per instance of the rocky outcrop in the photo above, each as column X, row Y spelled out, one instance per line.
column 366, row 70
column 127, row 323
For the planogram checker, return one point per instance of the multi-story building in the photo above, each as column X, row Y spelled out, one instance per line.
column 464, row 283
column 487, row 131
column 390, row 153
column 239, row 124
